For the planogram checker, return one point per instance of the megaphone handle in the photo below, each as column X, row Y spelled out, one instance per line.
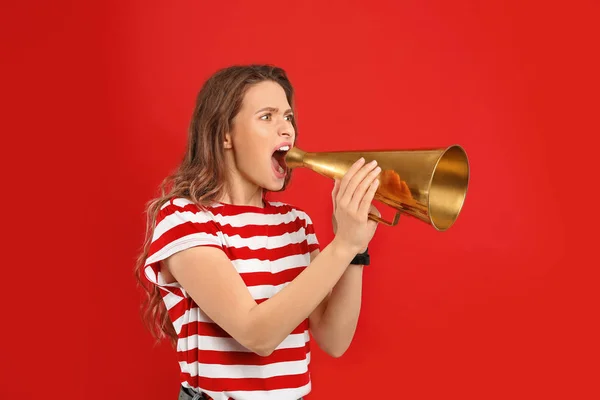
column 383, row 221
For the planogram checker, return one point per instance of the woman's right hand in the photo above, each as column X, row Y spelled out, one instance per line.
column 352, row 198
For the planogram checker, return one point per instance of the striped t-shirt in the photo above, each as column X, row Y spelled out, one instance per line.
column 268, row 247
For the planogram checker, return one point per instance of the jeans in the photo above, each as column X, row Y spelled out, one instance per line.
column 189, row 394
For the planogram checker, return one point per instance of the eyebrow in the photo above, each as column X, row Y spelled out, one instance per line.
column 274, row 110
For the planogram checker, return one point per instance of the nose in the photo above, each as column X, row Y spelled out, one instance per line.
column 286, row 133
column 286, row 129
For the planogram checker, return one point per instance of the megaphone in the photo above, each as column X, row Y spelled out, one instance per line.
column 428, row 184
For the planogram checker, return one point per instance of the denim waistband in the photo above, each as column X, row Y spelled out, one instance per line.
column 189, row 394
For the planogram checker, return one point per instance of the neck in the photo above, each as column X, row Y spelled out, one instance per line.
column 240, row 192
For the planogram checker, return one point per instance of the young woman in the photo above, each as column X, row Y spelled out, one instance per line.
column 237, row 281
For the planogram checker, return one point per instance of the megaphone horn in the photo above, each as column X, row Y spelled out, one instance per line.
column 428, row 184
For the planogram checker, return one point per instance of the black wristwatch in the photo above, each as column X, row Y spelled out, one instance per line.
column 362, row 258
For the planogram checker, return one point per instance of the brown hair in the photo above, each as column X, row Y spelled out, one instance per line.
column 200, row 177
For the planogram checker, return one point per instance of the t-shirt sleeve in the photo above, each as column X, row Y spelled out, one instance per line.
column 179, row 227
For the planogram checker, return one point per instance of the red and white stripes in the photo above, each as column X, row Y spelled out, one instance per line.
column 268, row 247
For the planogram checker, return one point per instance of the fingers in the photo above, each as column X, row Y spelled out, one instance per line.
column 365, row 203
column 363, row 187
column 334, row 192
column 349, row 174
column 353, row 189
column 374, row 210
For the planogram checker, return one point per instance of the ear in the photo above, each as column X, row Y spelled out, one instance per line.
column 228, row 143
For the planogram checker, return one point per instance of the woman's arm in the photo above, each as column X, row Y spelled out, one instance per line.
column 334, row 322
column 212, row 281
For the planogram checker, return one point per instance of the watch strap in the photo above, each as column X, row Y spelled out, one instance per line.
column 362, row 258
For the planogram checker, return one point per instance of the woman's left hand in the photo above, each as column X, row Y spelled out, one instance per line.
column 372, row 225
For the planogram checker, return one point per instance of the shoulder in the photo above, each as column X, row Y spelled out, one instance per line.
column 178, row 218
column 184, row 209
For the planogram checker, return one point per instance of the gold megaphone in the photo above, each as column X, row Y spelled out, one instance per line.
column 429, row 184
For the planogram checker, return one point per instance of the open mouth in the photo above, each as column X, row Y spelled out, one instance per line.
column 278, row 160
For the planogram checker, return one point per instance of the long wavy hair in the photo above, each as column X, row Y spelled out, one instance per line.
column 201, row 175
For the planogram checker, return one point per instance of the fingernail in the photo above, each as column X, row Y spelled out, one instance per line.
column 373, row 162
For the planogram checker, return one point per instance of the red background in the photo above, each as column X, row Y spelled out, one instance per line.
column 95, row 106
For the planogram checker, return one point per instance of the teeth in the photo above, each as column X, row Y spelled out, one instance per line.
column 284, row 148
column 280, row 170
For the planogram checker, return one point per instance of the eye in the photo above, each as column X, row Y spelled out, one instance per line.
column 289, row 117
column 266, row 117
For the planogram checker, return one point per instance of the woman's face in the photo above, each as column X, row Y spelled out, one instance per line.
column 262, row 126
